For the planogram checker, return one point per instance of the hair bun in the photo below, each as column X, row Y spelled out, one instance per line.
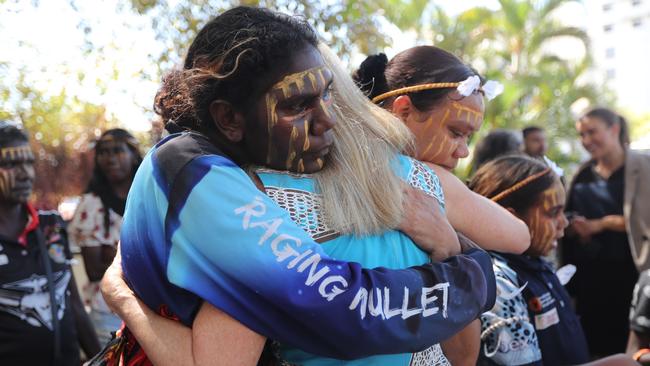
column 370, row 75
column 173, row 102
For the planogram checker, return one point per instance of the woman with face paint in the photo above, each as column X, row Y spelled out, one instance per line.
column 532, row 322
column 259, row 91
column 608, row 233
column 95, row 226
column 42, row 317
column 441, row 100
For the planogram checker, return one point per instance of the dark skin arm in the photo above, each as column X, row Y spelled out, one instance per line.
column 85, row 330
column 97, row 260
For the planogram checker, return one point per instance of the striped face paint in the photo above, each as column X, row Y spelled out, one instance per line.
column 546, row 221
column 16, row 153
column 16, row 173
column 293, row 105
column 441, row 137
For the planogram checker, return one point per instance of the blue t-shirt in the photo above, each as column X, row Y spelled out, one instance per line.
column 299, row 196
column 197, row 229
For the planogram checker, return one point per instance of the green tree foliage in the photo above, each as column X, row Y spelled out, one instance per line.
column 639, row 124
column 515, row 44
column 511, row 44
column 347, row 26
column 61, row 129
column 62, row 124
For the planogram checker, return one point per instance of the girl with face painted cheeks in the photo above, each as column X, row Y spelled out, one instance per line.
column 95, row 226
column 441, row 100
column 532, row 321
column 203, row 245
column 422, row 86
column 42, row 316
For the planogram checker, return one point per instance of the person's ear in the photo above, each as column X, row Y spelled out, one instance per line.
column 228, row 121
column 402, row 107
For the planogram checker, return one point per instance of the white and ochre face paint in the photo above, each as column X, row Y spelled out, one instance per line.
column 16, row 153
column 16, row 173
column 289, row 107
column 546, row 220
column 7, row 181
column 442, row 136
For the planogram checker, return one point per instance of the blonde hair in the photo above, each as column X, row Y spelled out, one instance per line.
column 361, row 192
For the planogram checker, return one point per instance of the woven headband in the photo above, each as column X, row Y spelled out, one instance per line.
column 519, row 185
column 473, row 83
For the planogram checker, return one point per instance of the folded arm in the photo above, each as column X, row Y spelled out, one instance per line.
column 214, row 339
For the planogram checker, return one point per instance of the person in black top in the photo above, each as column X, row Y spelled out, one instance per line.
column 596, row 241
column 35, row 271
column 638, row 344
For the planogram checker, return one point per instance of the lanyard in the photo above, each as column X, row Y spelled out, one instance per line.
column 51, row 286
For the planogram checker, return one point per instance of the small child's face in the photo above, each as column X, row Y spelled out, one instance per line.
column 546, row 221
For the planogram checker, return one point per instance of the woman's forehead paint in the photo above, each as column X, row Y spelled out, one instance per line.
column 551, row 198
column 298, row 79
column 473, row 115
column 14, row 153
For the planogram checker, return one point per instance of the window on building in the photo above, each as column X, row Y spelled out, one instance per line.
column 611, row 73
column 607, row 7
column 610, row 52
column 608, row 28
column 636, row 23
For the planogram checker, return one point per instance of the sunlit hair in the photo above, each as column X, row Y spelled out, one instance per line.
column 503, row 173
column 361, row 192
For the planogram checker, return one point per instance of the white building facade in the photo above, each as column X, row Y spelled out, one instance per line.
column 620, row 35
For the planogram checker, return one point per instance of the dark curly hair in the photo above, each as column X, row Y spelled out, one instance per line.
column 230, row 59
column 414, row 66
